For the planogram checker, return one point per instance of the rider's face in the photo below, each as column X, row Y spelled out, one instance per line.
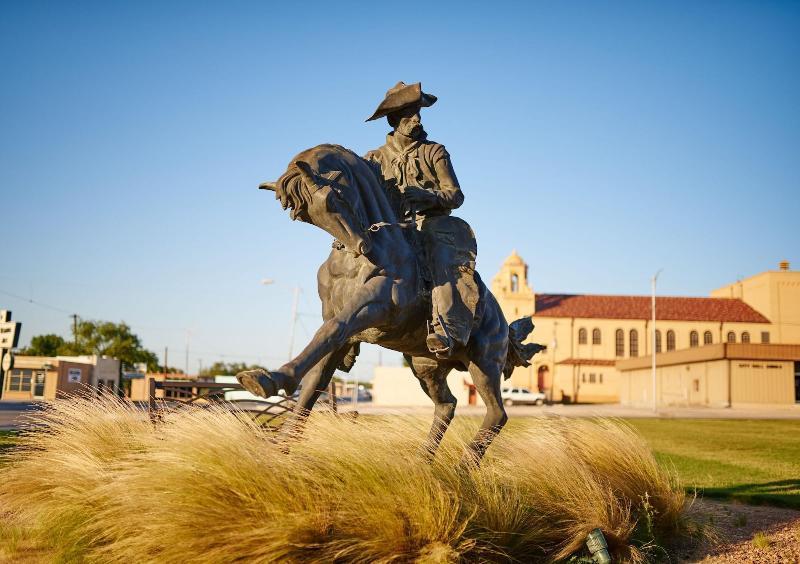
column 409, row 122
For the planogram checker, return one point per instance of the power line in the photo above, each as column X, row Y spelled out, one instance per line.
column 34, row 302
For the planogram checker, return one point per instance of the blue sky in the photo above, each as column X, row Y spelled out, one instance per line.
column 601, row 140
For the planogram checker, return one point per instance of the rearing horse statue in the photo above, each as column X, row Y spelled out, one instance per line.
column 372, row 291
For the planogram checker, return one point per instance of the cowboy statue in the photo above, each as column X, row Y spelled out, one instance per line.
column 419, row 178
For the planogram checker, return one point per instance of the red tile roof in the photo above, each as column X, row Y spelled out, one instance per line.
column 588, row 361
column 638, row 307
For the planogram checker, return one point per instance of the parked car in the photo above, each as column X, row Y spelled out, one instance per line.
column 515, row 396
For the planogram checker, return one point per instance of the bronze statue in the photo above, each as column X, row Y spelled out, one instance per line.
column 374, row 285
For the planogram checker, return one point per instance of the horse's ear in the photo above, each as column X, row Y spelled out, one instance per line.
column 306, row 171
column 267, row 186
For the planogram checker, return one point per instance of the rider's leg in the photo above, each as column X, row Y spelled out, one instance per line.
column 451, row 251
column 433, row 380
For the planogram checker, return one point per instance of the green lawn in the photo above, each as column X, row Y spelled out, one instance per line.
column 750, row 461
column 7, row 440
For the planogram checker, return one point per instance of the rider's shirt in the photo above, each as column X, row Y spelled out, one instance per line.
column 424, row 164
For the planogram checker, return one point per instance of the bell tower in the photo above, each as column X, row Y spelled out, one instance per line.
column 510, row 287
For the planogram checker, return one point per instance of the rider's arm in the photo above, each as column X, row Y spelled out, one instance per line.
column 446, row 195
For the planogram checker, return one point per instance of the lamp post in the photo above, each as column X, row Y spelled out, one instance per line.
column 653, row 338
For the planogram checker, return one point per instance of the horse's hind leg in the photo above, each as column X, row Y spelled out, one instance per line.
column 487, row 376
column 433, row 379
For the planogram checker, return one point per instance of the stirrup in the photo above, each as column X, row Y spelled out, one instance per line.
column 440, row 345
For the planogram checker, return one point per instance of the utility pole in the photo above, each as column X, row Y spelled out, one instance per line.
column 74, row 317
column 653, row 339
column 188, row 336
column 166, row 351
column 294, row 320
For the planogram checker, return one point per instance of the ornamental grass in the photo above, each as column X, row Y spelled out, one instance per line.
column 97, row 481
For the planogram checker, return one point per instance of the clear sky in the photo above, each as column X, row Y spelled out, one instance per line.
column 602, row 140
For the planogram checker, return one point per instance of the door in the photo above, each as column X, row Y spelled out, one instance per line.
column 797, row 382
column 38, row 385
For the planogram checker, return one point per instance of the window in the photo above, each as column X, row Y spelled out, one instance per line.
column 694, row 339
column 765, row 336
column 620, row 342
column 745, row 337
column 658, row 341
column 707, row 338
column 731, row 337
column 583, row 378
column 515, row 283
column 591, row 378
column 581, row 336
column 670, row 340
column 634, row 342
column 601, row 378
column 596, row 336
column 20, row 380
column 696, row 385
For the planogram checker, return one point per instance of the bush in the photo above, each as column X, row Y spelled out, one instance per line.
column 97, row 480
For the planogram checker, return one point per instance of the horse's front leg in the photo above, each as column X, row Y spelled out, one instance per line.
column 358, row 315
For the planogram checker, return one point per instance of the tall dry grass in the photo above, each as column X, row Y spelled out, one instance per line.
column 96, row 481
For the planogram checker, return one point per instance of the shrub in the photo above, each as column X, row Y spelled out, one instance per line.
column 97, row 480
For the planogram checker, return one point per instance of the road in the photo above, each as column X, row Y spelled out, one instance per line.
column 12, row 411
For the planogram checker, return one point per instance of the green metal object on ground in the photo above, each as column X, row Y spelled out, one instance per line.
column 598, row 546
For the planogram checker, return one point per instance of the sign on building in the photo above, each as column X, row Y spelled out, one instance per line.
column 74, row 375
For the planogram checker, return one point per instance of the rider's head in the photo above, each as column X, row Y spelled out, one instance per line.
column 401, row 107
column 407, row 121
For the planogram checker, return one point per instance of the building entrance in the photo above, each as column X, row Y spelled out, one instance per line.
column 38, row 385
column 797, row 382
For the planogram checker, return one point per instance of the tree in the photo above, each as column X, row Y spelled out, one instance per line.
column 45, row 345
column 102, row 338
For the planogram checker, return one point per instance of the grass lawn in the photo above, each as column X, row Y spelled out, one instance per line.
column 7, row 440
column 750, row 461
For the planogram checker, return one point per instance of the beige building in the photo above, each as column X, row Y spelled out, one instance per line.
column 588, row 335
column 721, row 375
column 45, row 378
column 395, row 386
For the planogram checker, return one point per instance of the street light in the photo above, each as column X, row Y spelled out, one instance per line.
column 653, row 339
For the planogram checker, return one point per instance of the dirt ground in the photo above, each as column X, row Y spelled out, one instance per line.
column 745, row 534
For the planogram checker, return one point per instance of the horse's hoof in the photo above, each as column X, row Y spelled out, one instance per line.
column 257, row 382
column 265, row 384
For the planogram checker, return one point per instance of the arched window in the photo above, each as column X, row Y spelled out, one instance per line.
column 670, row 340
column 658, row 341
column 582, row 336
column 596, row 336
column 745, row 337
column 620, row 336
column 634, row 342
column 694, row 339
column 731, row 337
column 707, row 338
column 515, row 283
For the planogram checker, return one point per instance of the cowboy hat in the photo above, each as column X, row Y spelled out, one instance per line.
column 401, row 96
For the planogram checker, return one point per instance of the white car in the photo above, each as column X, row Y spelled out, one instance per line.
column 514, row 396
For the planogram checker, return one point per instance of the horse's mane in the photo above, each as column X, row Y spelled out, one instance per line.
column 362, row 182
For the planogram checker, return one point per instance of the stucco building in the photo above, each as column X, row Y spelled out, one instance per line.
column 45, row 378
column 589, row 337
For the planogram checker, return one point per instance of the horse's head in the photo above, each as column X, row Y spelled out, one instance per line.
column 326, row 198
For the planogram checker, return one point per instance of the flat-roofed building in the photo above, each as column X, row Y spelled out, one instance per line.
column 45, row 378
column 720, row 375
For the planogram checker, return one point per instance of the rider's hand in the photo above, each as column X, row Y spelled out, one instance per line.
column 420, row 196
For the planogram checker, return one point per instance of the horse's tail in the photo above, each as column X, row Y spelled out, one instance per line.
column 519, row 353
